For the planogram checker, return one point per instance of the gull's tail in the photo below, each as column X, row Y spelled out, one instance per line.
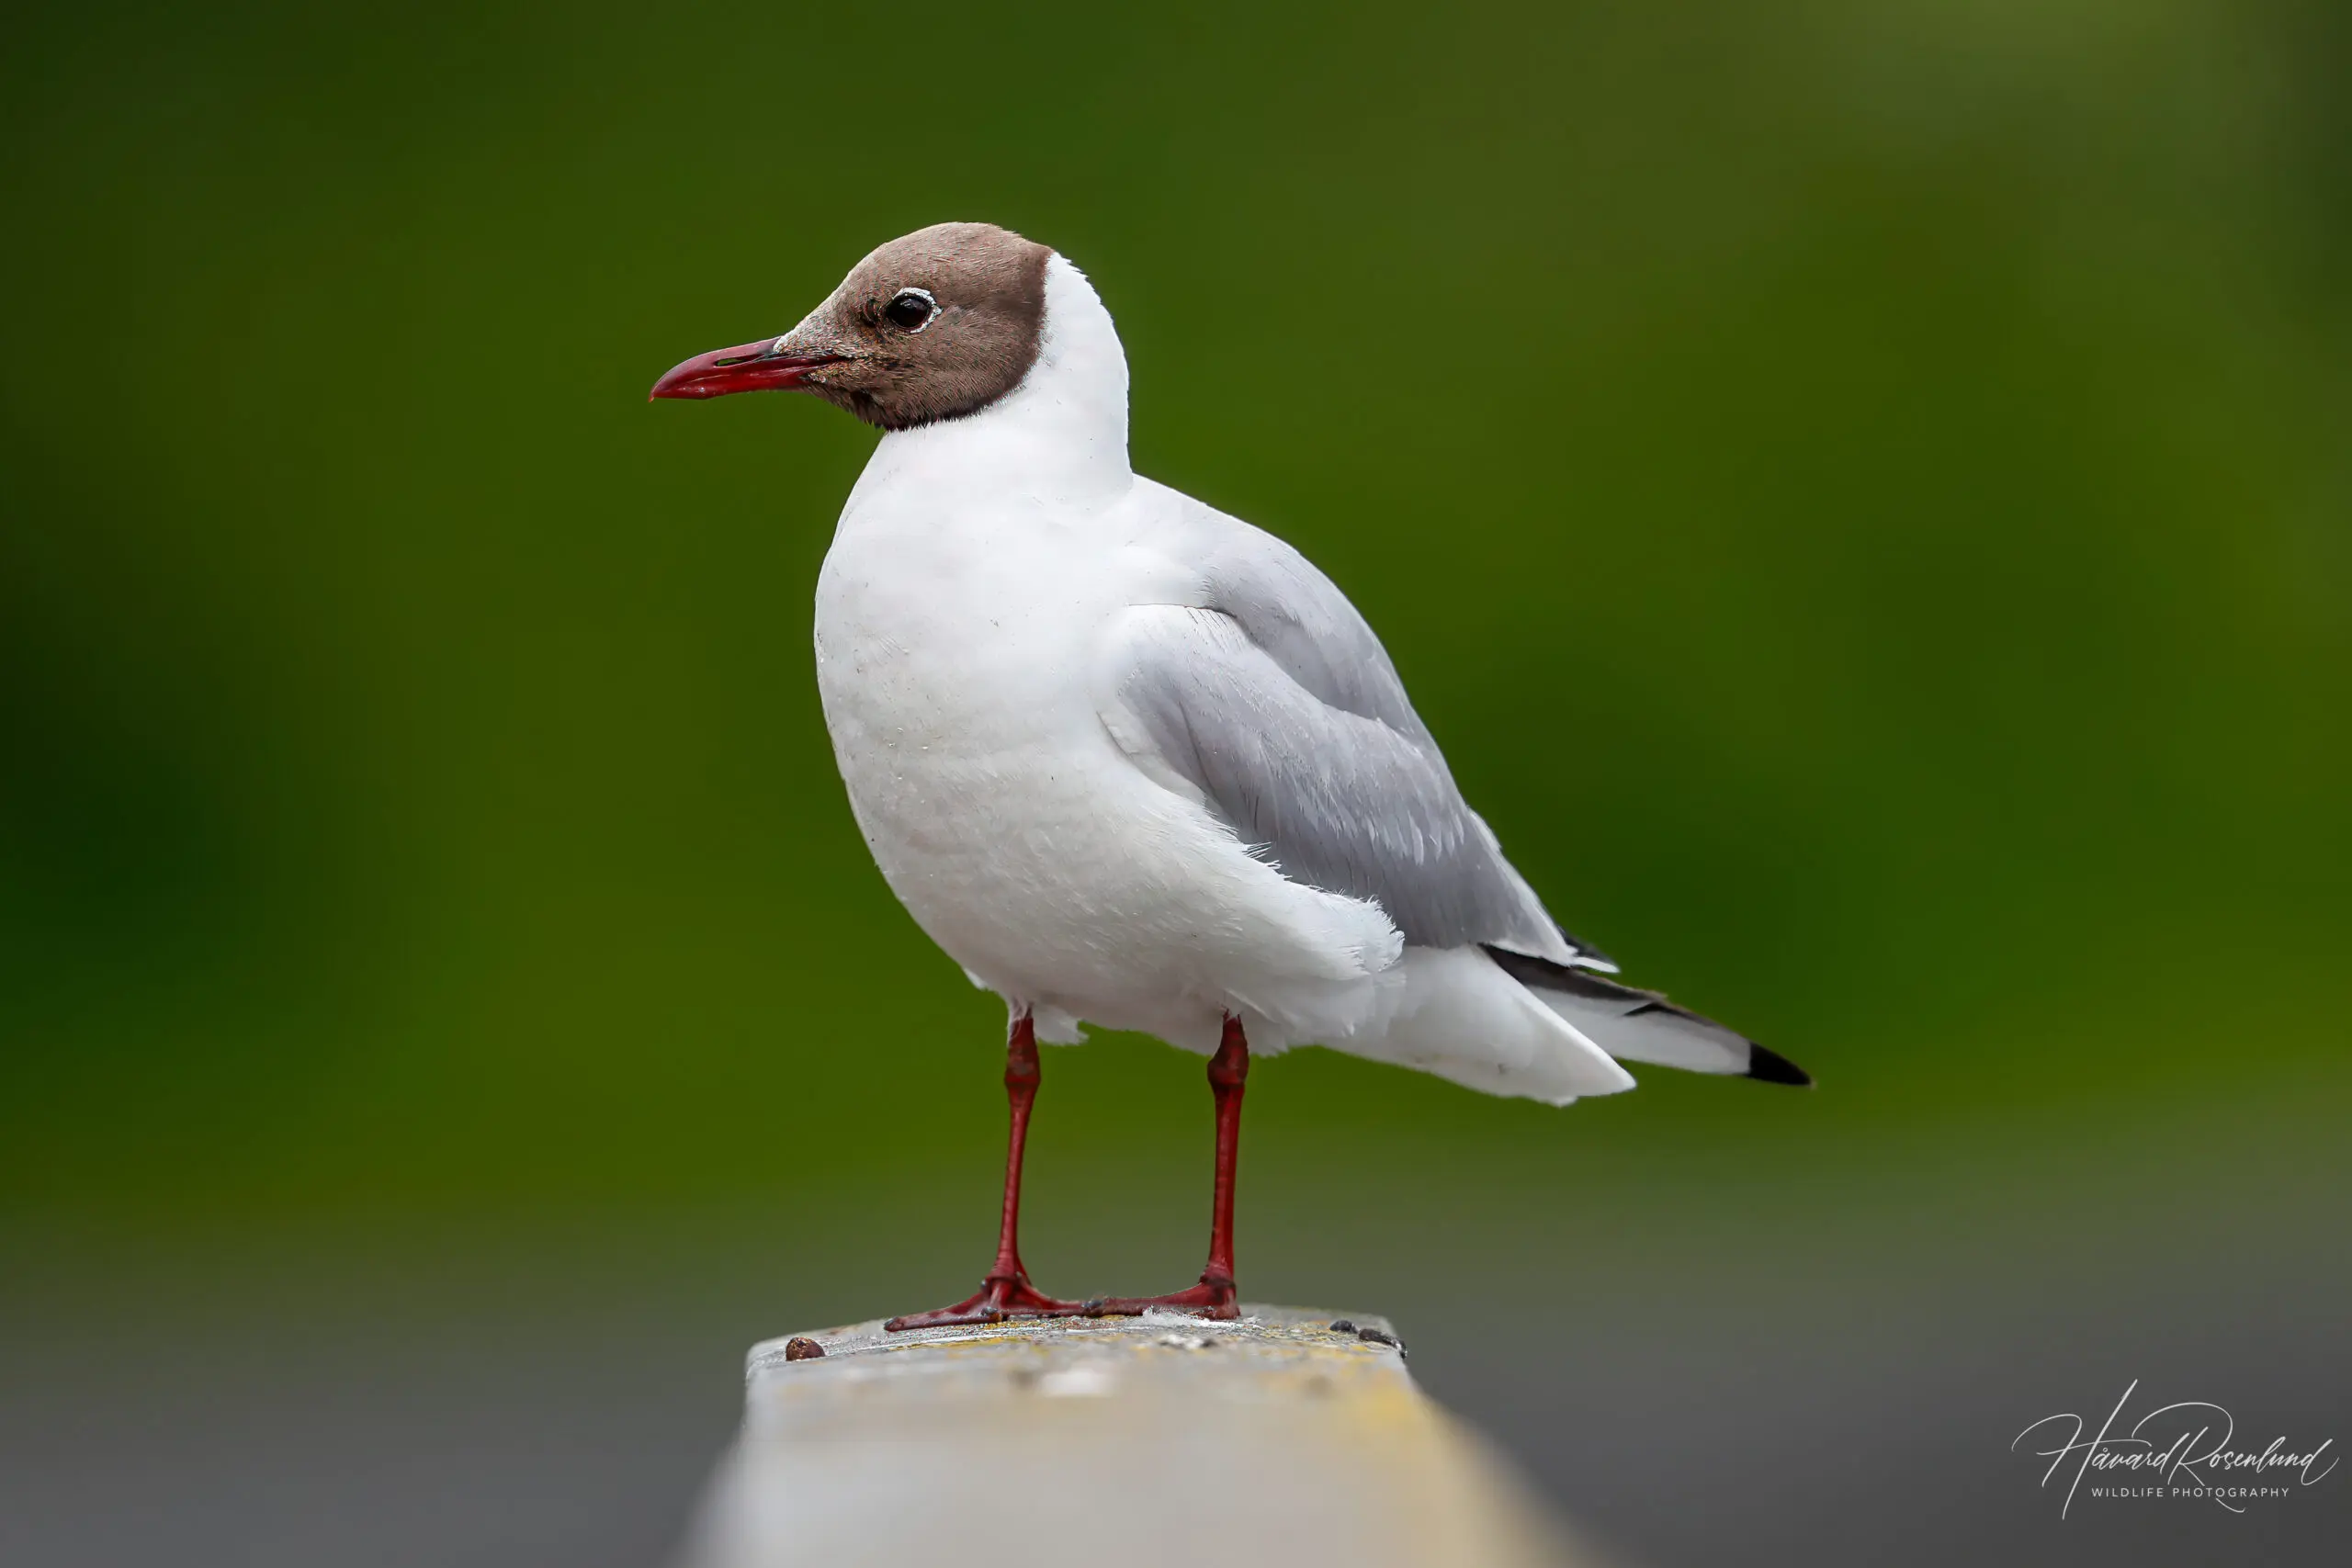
column 1643, row 1026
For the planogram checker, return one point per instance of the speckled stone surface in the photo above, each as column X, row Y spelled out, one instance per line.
column 1274, row 1438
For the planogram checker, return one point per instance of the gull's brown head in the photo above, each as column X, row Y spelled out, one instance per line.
column 936, row 325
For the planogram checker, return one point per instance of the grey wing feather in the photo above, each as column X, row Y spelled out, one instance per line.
column 1278, row 703
column 1311, row 632
column 1635, row 1025
column 1274, row 700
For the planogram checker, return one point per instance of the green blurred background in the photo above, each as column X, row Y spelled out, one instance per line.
column 1890, row 467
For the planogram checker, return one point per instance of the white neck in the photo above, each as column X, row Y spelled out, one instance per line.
column 1064, row 428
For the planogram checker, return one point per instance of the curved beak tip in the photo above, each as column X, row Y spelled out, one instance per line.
column 748, row 368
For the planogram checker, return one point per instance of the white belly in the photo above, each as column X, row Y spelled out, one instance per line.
column 956, row 660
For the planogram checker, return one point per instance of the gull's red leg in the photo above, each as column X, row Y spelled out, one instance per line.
column 1006, row 1292
column 1214, row 1296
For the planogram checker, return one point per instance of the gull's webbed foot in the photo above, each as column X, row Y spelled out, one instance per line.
column 999, row 1297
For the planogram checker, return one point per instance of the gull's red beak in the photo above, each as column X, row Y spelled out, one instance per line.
column 751, row 367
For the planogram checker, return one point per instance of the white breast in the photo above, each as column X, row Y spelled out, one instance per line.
column 961, row 618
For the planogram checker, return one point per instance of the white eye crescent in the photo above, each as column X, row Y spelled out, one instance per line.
column 911, row 310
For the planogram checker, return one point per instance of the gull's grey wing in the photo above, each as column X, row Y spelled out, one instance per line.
column 1310, row 631
column 1272, row 697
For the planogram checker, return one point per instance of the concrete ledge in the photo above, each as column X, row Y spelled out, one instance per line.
column 1272, row 1440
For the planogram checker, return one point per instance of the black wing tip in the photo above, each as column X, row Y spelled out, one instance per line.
column 1771, row 1066
column 1584, row 949
column 1574, row 978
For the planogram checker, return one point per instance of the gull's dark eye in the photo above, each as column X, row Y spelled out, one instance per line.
column 911, row 310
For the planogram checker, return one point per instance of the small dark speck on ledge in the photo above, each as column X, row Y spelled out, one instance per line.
column 1373, row 1337
column 800, row 1348
column 1342, row 1325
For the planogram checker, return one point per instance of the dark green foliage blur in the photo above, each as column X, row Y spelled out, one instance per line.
column 1862, row 492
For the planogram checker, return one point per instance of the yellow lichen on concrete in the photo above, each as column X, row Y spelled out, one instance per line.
column 1276, row 1439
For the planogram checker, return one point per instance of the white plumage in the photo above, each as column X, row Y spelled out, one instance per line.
column 1015, row 637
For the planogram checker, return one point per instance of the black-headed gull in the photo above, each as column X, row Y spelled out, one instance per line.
column 1133, row 761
